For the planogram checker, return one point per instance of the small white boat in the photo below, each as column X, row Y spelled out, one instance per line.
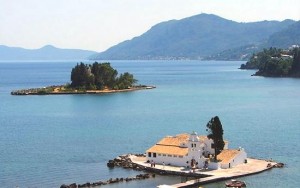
column 235, row 183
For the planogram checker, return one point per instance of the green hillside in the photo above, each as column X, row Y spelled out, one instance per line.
column 194, row 37
column 286, row 37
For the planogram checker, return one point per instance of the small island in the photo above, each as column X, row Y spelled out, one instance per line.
column 196, row 159
column 93, row 78
column 275, row 62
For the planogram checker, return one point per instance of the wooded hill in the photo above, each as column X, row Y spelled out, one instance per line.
column 275, row 62
column 194, row 37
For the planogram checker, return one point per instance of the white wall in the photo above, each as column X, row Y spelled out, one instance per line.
column 238, row 159
column 213, row 166
column 226, row 145
column 174, row 161
column 208, row 148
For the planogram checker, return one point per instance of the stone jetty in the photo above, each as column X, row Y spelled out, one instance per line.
column 197, row 177
column 110, row 181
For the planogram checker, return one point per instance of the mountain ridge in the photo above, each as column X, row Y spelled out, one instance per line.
column 193, row 38
column 47, row 52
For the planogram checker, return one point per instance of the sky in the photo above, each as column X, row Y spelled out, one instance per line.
column 99, row 24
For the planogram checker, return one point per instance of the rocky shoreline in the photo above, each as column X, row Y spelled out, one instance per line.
column 110, row 181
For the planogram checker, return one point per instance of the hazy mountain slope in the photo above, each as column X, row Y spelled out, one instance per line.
column 286, row 37
column 193, row 37
column 45, row 53
column 282, row 39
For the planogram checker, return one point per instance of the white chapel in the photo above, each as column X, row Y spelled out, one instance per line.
column 193, row 151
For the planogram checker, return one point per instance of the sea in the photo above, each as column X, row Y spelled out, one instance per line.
column 50, row 140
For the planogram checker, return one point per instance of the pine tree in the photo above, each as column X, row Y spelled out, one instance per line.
column 215, row 132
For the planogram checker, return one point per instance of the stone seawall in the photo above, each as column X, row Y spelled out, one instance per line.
column 110, row 181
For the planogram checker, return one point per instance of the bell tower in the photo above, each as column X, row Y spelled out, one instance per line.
column 194, row 145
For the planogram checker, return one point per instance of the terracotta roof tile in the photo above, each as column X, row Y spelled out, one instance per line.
column 171, row 144
column 174, row 140
column 171, row 150
column 226, row 155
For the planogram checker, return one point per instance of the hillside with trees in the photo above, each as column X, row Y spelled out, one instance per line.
column 194, row 38
column 286, row 37
column 275, row 62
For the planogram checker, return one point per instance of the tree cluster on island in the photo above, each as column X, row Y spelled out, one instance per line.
column 275, row 62
column 99, row 76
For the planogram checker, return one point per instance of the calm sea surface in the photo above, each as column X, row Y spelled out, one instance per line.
column 46, row 141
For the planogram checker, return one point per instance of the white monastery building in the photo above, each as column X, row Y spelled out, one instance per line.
column 193, row 151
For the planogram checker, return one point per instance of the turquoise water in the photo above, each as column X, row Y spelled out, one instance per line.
column 46, row 141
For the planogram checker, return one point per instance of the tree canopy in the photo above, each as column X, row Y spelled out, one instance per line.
column 215, row 132
column 99, row 76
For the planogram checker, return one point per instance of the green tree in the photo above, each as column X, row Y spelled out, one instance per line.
column 296, row 62
column 215, row 132
column 104, row 75
column 81, row 76
column 99, row 76
column 125, row 81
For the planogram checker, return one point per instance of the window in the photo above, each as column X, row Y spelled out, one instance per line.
column 159, row 154
column 174, row 155
column 180, row 156
column 164, row 155
column 154, row 154
column 149, row 154
column 169, row 155
column 212, row 145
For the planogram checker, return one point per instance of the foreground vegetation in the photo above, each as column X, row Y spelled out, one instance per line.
column 275, row 62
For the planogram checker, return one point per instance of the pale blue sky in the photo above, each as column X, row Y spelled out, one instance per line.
column 99, row 24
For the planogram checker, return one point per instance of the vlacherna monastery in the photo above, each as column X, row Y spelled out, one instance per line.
column 193, row 151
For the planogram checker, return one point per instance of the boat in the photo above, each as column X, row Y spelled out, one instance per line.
column 235, row 183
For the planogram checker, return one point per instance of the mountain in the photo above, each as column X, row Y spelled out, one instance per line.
column 193, row 37
column 286, row 37
column 45, row 53
column 241, row 53
column 283, row 39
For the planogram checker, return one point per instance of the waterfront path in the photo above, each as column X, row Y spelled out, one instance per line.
column 253, row 166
